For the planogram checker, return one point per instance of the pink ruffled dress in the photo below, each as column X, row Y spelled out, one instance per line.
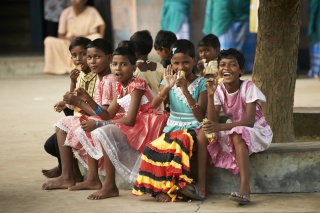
column 124, row 144
column 104, row 94
column 258, row 138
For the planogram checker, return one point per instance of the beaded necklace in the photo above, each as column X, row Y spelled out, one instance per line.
column 125, row 89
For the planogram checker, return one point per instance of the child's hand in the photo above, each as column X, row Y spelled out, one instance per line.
column 169, row 77
column 182, row 83
column 70, row 98
column 211, row 85
column 61, row 105
column 210, row 127
column 83, row 94
column 200, row 66
column 74, row 74
column 88, row 125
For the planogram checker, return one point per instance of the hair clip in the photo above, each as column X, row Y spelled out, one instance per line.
column 173, row 50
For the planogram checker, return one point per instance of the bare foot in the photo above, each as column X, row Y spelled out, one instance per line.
column 163, row 197
column 87, row 185
column 104, row 192
column 58, row 183
column 52, row 173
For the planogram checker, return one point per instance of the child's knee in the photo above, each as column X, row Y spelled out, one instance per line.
column 237, row 139
column 201, row 137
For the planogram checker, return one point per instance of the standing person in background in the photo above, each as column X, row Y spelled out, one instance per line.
column 229, row 20
column 175, row 17
column 52, row 10
column 76, row 20
column 314, row 38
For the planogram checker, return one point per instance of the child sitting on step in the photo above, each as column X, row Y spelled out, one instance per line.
column 246, row 130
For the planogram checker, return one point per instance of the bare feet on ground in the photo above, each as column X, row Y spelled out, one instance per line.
column 105, row 192
column 163, row 197
column 52, row 173
column 56, row 172
column 87, row 185
column 58, row 183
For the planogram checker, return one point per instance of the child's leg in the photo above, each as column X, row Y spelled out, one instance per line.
column 51, row 147
column 67, row 177
column 242, row 156
column 92, row 181
column 202, row 156
column 202, row 163
column 109, row 188
column 199, row 189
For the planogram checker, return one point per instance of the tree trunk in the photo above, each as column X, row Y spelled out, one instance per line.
column 275, row 63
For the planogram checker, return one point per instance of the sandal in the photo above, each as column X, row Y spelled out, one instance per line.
column 192, row 194
column 241, row 199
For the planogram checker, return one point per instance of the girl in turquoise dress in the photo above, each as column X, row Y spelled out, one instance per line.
column 165, row 167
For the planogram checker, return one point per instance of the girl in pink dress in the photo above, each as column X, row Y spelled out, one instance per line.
column 246, row 130
column 98, row 59
column 129, row 123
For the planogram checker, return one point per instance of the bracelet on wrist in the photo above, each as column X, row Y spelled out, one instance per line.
column 194, row 106
column 98, row 110
column 104, row 123
column 97, row 124
column 161, row 97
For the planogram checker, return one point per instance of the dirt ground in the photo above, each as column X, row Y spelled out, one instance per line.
column 27, row 119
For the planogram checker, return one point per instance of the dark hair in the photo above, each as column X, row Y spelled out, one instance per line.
column 126, row 43
column 165, row 62
column 210, row 40
column 183, row 46
column 142, row 41
column 127, row 52
column 79, row 41
column 164, row 38
column 232, row 53
column 101, row 44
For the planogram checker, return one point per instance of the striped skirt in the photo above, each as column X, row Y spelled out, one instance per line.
column 165, row 166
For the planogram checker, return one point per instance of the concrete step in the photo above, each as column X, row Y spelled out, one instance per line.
column 284, row 167
column 11, row 66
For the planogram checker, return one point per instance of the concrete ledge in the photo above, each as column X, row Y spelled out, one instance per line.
column 284, row 167
column 24, row 65
column 306, row 121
